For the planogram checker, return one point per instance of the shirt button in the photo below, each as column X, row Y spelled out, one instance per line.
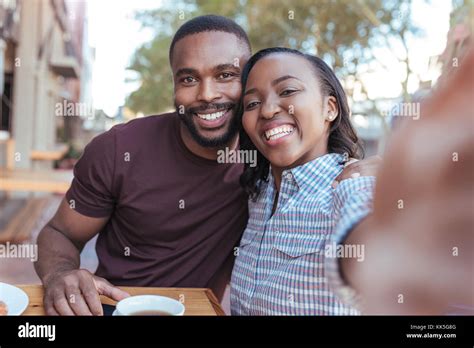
column 284, row 195
column 289, row 176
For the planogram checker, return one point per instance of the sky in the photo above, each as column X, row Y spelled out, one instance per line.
column 434, row 20
column 115, row 35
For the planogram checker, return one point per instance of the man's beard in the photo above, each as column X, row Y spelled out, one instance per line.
column 188, row 120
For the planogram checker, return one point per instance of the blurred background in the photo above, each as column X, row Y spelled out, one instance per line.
column 71, row 69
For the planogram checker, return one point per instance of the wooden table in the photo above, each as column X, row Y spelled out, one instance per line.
column 197, row 301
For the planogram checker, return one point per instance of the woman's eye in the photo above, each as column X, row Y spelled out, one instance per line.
column 287, row 92
column 251, row 105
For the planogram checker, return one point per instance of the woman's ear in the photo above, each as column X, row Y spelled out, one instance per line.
column 331, row 109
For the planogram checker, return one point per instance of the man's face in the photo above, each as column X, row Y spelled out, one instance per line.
column 206, row 71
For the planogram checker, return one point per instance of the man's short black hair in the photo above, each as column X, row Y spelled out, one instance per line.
column 208, row 23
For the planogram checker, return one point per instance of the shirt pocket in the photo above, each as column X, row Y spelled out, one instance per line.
column 295, row 245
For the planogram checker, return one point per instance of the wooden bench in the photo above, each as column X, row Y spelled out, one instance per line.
column 53, row 154
column 55, row 181
column 33, row 180
column 19, row 222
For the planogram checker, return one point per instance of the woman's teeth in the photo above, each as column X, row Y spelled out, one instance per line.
column 278, row 132
column 213, row 116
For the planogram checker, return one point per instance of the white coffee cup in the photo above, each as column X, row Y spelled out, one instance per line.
column 138, row 305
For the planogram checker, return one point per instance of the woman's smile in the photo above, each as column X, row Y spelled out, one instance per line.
column 275, row 133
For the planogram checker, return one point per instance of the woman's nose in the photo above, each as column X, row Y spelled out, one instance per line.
column 270, row 108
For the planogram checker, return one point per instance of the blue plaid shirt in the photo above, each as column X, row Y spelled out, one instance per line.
column 283, row 266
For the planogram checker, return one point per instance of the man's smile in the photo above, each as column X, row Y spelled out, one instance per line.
column 213, row 119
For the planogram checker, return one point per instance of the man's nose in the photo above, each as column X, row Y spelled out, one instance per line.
column 208, row 91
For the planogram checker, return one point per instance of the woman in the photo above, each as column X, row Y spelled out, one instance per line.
column 295, row 114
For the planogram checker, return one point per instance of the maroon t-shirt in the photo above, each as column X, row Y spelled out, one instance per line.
column 175, row 218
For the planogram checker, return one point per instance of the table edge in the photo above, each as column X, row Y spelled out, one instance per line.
column 215, row 302
column 209, row 294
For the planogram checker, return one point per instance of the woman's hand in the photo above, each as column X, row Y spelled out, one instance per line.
column 355, row 168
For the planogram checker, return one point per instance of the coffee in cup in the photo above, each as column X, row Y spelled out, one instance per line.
column 149, row 305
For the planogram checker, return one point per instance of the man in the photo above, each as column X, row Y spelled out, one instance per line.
column 166, row 212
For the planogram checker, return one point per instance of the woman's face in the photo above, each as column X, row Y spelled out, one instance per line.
column 285, row 114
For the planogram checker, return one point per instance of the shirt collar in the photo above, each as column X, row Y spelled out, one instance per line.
column 317, row 173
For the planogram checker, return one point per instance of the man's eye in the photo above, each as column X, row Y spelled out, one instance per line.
column 188, row 79
column 226, row 75
column 287, row 92
column 251, row 105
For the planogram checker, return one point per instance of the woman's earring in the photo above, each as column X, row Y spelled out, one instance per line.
column 331, row 116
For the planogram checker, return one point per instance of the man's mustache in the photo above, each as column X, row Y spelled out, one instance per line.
column 211, row 107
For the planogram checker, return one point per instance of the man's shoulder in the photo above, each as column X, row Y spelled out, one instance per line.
column 146, row 123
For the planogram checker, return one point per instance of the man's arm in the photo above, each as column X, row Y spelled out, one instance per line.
column 68, row 289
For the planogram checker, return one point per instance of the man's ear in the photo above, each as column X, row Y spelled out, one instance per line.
column 332, row 111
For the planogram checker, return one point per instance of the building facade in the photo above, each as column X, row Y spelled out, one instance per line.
column 46, row 63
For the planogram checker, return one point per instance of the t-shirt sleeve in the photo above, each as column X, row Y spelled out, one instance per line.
column 92, row 189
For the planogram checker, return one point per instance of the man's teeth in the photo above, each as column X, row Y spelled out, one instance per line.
column 213, row 116
column 279, row 132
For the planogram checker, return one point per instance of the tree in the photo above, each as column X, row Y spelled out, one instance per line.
column 344, row 33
